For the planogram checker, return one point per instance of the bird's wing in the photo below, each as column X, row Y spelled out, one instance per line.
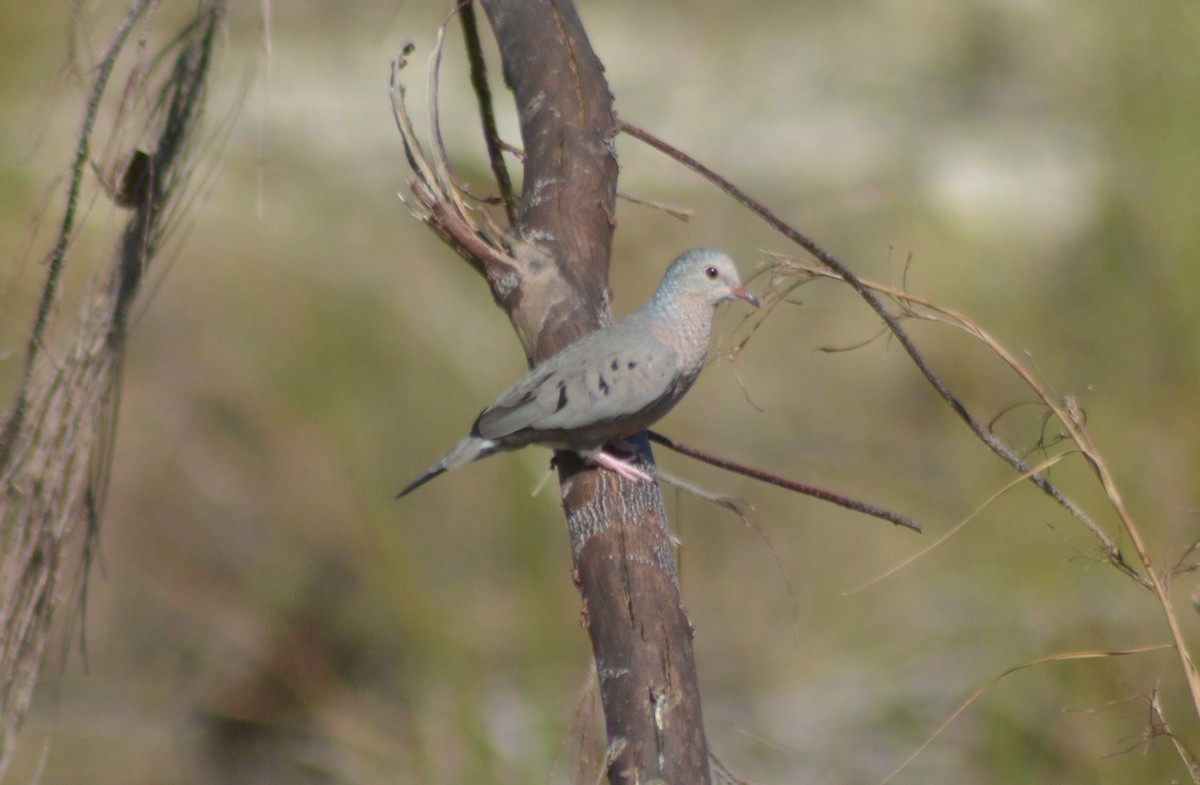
column 613, row 377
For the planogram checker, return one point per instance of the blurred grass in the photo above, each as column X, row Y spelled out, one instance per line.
column 265, row 612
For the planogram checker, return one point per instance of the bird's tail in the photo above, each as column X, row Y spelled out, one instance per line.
column 469, row 448
column 430, row 473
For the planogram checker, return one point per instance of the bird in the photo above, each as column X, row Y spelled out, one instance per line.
column 611, row 383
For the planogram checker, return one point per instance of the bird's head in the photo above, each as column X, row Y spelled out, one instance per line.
column 706, row 275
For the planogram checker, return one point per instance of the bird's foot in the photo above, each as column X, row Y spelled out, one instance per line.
column 622, row 467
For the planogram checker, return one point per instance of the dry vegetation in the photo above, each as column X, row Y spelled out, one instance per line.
column 259, row 610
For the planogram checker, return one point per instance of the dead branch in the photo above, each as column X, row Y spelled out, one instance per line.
column 781, row 482
column 487, row 114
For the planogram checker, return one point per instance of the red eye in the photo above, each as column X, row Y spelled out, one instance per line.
column 712, row 273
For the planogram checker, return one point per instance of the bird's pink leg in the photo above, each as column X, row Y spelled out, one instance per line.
column 623, row 467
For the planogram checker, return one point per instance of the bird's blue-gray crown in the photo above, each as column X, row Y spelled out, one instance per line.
column 701, row 273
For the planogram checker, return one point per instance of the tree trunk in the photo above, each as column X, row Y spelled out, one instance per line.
column 623, row 557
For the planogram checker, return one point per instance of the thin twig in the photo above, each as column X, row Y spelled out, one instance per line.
column 679, row 213
column 987, row 685
column 931, row 310
column 808, row 490
column 740, row 509
column 487, row 114
column 893, row 323
column 956, row 528
column 447, row 183
column 1072, row 420
column 443, row 210
column 1160, row 727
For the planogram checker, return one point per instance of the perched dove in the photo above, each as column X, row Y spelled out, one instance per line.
column 612, row 383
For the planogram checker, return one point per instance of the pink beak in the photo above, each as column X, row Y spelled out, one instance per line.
column 740, row 292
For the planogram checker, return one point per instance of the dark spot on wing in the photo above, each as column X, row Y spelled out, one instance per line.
column 603, row 385
column 632, row 364
column 616, row 365
column 562, row 397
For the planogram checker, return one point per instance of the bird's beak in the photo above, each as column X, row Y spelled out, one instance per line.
column 740, row 292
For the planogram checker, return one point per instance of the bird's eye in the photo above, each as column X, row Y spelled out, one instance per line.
column 712, row 273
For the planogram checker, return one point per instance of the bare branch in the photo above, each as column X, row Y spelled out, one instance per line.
column 1068, row 414
column 842, row 272
column 487, row 114
column 771, row 479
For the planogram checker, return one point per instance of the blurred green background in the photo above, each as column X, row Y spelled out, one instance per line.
column 263, row 611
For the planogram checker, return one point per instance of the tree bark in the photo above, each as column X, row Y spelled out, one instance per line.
column 623, row 557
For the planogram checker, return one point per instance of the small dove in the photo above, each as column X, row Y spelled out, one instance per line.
column 614, row 382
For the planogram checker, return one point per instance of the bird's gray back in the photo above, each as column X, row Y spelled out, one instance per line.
column 609, row 384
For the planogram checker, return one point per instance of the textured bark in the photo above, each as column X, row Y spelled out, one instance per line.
column 623, row 557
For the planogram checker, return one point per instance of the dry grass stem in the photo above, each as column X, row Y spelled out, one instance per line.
column 956, row 528
column 1070, row 417
column 987, row 685
column 58, row 438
